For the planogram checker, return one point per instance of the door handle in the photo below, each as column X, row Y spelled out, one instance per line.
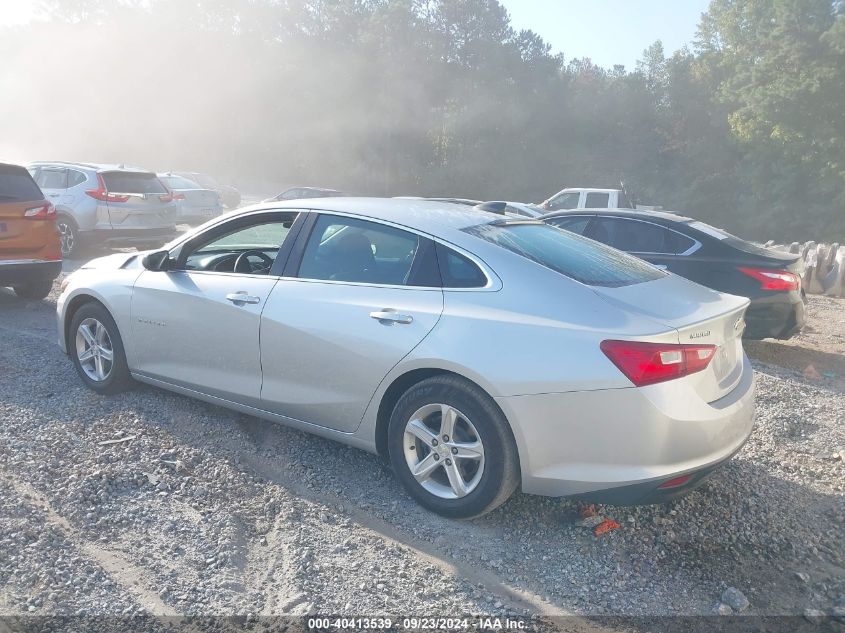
column 242, row 297
column 391, row 316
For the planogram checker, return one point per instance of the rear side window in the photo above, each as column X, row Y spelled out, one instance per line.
column 457, row 271
column 597, row 200
column 75, row 178
column 349, row 249
column 634, row 236
column 16, row 185
column 571, row 255
column 132, row 182
column 52, row 179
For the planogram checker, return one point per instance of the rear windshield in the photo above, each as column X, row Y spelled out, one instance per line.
column 732, row 240
column 132, row 182
column 16, row 185
column 177, row 182
column 576, row 257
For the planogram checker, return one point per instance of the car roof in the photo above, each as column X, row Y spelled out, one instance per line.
column 420, row 215
column 94, row 166
column 666, row 216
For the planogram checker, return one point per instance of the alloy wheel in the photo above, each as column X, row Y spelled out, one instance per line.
column 66, row 236
column 94, row 350
column 444, row 451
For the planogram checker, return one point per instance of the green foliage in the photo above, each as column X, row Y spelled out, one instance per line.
column 444, row 97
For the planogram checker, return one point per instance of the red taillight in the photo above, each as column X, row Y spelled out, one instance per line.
column 41, row 212
column 773, row 279
column 648, row 363
column 102, row 194
column 676, row 482
column 178, row 196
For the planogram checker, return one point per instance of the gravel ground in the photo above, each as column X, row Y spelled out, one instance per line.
column 198, row 510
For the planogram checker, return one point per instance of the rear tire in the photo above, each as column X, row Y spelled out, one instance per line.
column 68, row 236
column 36, row 290
column 96, row 348
column 465, row 467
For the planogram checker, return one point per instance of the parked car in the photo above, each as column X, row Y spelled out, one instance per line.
column 706, row 255
column 583, row 198
column 195, row 204
column 111, row 205
column 30, row 253
column 479, row 353
column 230, row 196
column 512, row 208
column 300, row 193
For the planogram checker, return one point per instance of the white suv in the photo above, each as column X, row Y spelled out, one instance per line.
column 106, row 204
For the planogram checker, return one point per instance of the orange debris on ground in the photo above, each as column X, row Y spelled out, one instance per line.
column 605, row 526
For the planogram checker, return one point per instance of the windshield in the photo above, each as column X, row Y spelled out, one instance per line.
column 569, row 254
column 731, row 240
column 177, row 182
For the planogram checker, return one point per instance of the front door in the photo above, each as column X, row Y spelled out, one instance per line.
column 331, row 334
column 196, row 324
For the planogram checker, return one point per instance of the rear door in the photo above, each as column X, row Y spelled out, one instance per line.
column 335, row 327
column 18, row 193
column 53, row 182
column 138, row 200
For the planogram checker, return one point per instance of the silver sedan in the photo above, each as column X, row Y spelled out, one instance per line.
column 480, row 353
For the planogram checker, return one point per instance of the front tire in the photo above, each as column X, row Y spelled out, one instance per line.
column 95, row 345
column 452, row 449
column 36, row 290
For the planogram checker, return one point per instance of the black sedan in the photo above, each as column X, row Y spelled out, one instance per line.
column 706, row 255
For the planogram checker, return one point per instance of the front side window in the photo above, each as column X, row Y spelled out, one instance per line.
column 565, row 201
column 241, row 245
column 571, row 255
column 348, row 249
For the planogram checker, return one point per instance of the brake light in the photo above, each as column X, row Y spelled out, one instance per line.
column 102, row 194
column 649, row 363
column 773, row 279
column 41, row 212
column 178, row 196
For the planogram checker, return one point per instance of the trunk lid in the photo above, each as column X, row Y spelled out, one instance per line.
column 699, row 316
column 144, row 201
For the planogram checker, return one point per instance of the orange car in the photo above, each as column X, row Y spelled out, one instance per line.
column 30, row 251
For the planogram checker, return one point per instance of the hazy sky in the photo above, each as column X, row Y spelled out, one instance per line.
column 608, row 31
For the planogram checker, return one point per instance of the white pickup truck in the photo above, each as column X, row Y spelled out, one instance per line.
column 588, row 199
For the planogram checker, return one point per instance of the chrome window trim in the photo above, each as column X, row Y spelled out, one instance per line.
column 696, row 244
column 493, row 282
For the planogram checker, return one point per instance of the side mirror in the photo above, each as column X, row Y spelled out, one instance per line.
column 156, row 261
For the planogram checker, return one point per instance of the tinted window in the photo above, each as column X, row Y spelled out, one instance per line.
column 635, row 236
column 348, row 249
column 132, row 182
column 457, row 271
column 177, row 182
column 597, row 200
column 75, row 178
column 565, row 201
column 575, row 223
column 569, row 254
column 52, row 179
column 16, row 185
